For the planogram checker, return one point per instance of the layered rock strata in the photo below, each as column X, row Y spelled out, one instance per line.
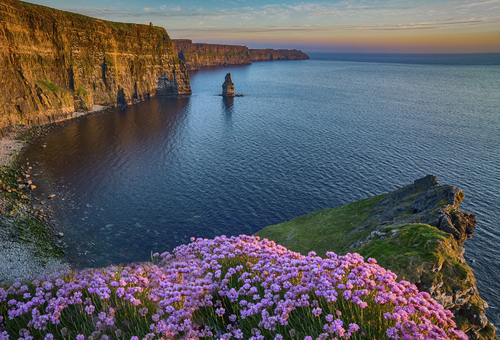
column 271, row 55
column 198, row 55
column 54, row 63
column 228, row 86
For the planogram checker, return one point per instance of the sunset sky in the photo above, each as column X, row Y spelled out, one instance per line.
column 402, row 26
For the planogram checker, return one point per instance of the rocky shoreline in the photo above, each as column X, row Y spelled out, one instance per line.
column 31, row 246
column 28, row 243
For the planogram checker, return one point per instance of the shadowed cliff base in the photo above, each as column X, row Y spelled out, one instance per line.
column 416, row 231
column 54, row 63
column 198, row 55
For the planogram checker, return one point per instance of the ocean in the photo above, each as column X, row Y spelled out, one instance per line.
column 307, row 135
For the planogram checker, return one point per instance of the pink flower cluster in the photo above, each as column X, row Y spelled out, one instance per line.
column 241, row 287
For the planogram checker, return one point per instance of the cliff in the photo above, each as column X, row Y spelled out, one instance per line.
column 197, row 55
column 270, row 55
column 417, row 232
column 54, row 63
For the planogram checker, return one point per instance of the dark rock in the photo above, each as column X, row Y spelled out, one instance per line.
column 228, row 87
column 425, row 201
column 426, row 182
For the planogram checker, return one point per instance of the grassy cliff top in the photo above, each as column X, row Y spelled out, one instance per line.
column 118, row 26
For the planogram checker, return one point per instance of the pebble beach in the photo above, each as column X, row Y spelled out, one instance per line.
column 18, row 259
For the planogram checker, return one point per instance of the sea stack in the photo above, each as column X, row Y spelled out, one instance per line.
column 228, row 87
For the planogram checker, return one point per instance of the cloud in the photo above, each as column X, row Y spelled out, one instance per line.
column 323, row 28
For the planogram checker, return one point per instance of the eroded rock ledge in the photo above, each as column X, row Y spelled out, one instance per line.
column 427, row 202
column 54, row 63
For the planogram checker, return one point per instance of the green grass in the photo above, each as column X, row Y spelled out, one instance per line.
column 324, row 230
column 47, row 84
column 420, row 252
column 416, row 252
column 80, row 91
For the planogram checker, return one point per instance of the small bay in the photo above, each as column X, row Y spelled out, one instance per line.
column 308, row 135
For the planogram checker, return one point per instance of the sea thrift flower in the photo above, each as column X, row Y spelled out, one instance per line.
column 254, row 282
column 90, row 309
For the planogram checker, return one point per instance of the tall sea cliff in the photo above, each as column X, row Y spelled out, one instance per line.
column 54, row 63
column 197, row 55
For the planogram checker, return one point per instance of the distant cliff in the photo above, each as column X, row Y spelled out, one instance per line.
column 270, row 55
column 53, row 63
column 197, row 55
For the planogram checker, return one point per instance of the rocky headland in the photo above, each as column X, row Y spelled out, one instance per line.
column 54, row 63
column 416, row 231
column 198, row 55
column 269, row 54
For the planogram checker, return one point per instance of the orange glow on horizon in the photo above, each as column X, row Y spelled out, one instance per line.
column 390, row 41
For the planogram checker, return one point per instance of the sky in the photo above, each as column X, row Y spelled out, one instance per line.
column 364, row 26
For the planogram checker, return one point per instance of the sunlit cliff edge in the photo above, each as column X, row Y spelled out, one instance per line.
column 54, row 63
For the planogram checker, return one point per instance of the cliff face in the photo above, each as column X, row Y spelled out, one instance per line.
column 197, row 55
column 270, row 55
column 417, row 232
column 54, row 63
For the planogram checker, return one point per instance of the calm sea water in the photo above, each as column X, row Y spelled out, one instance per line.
column 308, row 135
